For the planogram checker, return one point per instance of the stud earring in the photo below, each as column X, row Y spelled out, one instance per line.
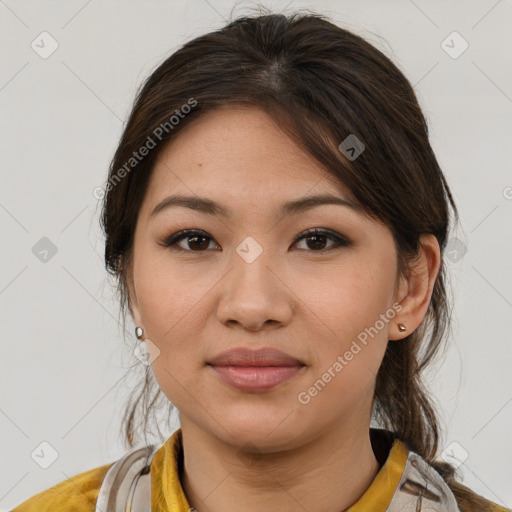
column 401, row 327
column 139, row 331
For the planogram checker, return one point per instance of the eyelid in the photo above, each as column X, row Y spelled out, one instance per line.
column 171, row 241
column 339, row 239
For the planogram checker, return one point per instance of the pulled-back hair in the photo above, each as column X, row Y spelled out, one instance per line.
column 321, row 83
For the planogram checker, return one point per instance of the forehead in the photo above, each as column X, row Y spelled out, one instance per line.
column 238, row 150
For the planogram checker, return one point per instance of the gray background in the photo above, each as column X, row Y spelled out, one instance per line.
column 64, row 358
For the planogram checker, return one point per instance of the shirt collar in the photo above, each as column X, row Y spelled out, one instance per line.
column 167, row 465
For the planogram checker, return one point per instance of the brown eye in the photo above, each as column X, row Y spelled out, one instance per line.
column 194, row 240
column 317, row 239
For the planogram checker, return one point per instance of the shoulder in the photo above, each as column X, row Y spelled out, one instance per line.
column 76, row 494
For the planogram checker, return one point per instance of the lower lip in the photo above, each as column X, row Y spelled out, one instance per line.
column 256, row 378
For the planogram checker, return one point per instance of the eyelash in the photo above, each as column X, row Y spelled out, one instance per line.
column 339, row 241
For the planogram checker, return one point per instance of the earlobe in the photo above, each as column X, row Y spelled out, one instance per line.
column 416, row 289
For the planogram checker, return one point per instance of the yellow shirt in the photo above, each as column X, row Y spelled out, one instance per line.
column 79, row 493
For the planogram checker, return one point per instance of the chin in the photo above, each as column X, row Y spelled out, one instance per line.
column 268, row 429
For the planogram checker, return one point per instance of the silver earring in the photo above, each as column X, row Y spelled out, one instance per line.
column 139, row 331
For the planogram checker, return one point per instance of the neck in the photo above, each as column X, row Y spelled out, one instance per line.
column 328, row 474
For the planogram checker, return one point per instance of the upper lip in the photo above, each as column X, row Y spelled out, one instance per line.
column 254, row 357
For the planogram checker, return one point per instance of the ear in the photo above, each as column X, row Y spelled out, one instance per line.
column 415, row 289
column 133, row 302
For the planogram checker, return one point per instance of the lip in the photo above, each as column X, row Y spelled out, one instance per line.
column 255, row 370
column 254, row 357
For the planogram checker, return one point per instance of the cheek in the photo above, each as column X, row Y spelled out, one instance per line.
column 349, row 307
column 172, row 312
column 344, row 300
column 169, row 294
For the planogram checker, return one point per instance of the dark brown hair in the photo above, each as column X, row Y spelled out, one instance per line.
column 321, row 83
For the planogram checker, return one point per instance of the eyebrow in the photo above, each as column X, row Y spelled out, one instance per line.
column 205, row 205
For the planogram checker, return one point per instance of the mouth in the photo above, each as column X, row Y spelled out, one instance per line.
column 255, row 370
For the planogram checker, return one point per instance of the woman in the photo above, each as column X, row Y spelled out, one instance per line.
column 276, row 218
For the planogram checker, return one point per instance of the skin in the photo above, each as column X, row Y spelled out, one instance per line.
column 256, row 451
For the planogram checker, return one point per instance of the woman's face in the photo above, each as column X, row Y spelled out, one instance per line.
column 255, row 279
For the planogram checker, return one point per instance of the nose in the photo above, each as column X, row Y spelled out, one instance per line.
column 254, row 296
